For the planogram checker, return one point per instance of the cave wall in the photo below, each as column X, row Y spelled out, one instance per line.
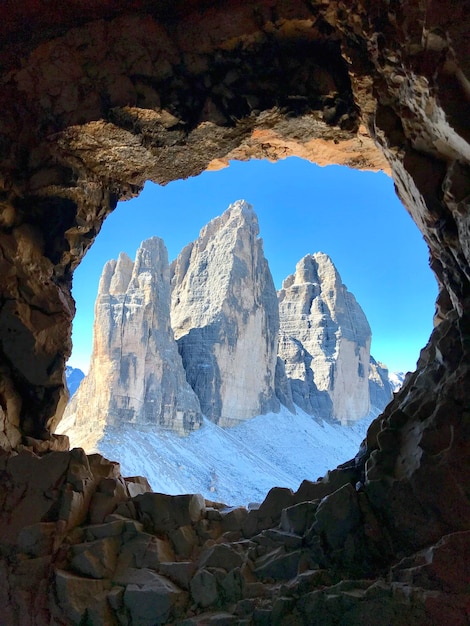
column 97, row 100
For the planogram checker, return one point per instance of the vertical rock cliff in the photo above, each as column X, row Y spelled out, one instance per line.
column 324, row 341
column 136, row 374
column 381, row 387
column 225, row 318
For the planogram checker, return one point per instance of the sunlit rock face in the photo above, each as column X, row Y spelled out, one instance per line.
column 324, row 341
column 136, row 374
column 225, row 318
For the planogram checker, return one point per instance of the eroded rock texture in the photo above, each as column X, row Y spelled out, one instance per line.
column 225, row 318
column 380, row 387
column 96, row 98
column 324, row 341
column 136, row 375
column 82, row 545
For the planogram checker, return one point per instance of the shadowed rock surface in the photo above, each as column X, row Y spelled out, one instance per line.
column 324, row 341
column 95, row 99
column 380, row 386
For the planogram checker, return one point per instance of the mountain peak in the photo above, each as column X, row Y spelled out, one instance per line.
column 225, row 315
column 325, row 341
column 242, row 207
column 136, row 374
column 229, row 345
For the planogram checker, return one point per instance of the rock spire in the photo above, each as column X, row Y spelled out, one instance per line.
column 136, row 374
column 209, row 335
column 324, row 341
column 225, row 318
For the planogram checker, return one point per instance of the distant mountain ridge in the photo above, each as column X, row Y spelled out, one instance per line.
column 73, row 376
column 396, row 380
column 243, row 349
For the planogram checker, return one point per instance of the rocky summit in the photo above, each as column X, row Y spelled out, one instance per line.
column 230, row 345
column 136, row 374
column 381, row 386
column 324, row 341
column 225, row 318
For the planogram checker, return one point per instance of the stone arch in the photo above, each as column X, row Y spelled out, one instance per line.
column 101, row 100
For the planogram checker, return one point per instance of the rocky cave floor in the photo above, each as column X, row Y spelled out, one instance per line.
column 83, row 545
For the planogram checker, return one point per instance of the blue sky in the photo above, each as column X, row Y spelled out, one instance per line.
column 354, row 217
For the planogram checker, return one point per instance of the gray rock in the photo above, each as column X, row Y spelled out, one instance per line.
column 278, row 565
column 204, row 588
column 77, row 595
column 219, row 618
column 136, row 374
column 37, row 539
column 269, row 512
column 337, row 516
column 225, row 318
column 95, row 559
column 324, row 341
column 283, row 386
column 163, row 513
column 298, row 518
column 153, row 600
column 184, row 540
column 179, row 572
column 233, row 518
column 145, row 550
column 380, row 387
column 222, row 556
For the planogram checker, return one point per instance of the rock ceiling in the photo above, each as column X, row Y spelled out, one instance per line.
column 97, row 98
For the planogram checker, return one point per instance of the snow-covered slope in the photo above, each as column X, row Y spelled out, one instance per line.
column 237, row 465
column 396, row 380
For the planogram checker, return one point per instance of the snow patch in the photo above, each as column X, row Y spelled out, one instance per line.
column 237, row 465
column 396, row 380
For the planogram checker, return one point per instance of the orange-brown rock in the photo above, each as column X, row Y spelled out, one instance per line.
column 96, row 98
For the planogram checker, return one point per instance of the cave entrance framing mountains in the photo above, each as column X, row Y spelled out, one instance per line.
column 94, row 101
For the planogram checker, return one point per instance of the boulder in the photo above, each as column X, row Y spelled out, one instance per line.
column 163, row 513
column 95, row 559
column 153, row 600
column 76, row 594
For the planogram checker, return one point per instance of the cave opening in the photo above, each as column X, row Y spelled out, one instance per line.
column 94, row 105
column 353, row 216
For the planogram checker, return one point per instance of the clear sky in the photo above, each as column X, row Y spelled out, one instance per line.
column 354, row 217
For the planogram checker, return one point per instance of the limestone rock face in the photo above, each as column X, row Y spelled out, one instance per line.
column 324, row 341
column 381, row 387
column 225, row 318
column 136, row 374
